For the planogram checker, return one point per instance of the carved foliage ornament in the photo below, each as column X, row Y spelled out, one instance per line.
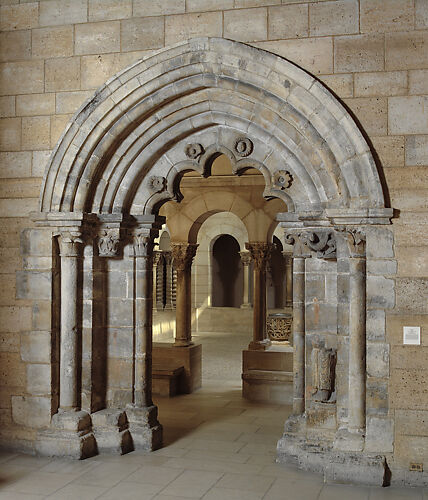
column 143, row 244
column 282, row 179
column 243, row 146
column 193, row 151
column 157, row 184
column 260, row 253
column 182, row 254
column 69, row 243
column 356, row 240
column 108, row 242
column 321, row 242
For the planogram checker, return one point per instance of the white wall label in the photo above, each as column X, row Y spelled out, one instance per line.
column 412, row 335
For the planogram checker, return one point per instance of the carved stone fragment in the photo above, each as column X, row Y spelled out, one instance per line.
column 323, row 374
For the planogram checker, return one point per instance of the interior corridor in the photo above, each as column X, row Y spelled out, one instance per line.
column 217, row 446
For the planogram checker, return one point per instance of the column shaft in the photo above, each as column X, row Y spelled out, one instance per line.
column 299, row 335
column 246, row 260
column 169, row 281
column 288, row 280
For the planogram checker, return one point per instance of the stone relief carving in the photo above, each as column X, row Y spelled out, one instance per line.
column 108, row 242
column 193, row 151
column 321, row 242
column 278, row 327
column 282, row 179
column 323, row 374
column 143, row 244
column 260, row 253
column 355, row 239
column 243, row 146
column 157, row 184
column 245, row 258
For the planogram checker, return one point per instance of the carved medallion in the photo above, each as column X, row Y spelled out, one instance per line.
column 243, row 146
column 193, row 151
column 282, row 179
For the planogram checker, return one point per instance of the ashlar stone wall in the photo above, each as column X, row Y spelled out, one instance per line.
column 372, row 53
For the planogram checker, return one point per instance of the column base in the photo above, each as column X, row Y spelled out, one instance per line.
column 347, row 440
column 145, row 429
column 111, row 430
column 182, row 343
column 246, row 306
column 259, row 345
column 70, row 436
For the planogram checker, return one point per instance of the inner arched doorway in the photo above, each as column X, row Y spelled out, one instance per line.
column 123, row 156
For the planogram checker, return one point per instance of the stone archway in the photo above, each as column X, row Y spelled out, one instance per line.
column 122, row 156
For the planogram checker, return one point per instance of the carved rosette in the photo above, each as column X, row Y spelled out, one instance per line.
column 260, row 253
column 282, row 179
column 245, row 258
column 157, row 184
column 183, row 254
column 108, row 242
column 193, row 151
column 243, row 146
column 70, row 243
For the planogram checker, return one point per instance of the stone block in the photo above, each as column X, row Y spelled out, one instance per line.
column 158, row 7
column 62, row 74
column 375, row 16
column 15, row 45
column 371, row 112
column 321, row 318
column 24, row 77
column 359, row 53
column 312, row 54
column 42, row 315
column 19, row 17
column 10, row 134
column 207, row 5
column 411, row 421
column 410, row 449
column 39, row 162
column 379, row 243
column 408, row 50
column 390, row 150
column 380, row 292
column 411, row 294
column 31, row 411
column 36, row 132
column 409, row 357
column 408, row 389
column 142, row 34
column 119, row 343
column 34, row 285
column 58, row 124
column 421, row 13
column 57, row 12
column 380, row 84
column 246, row 25
column 18, row 207
column 107, row 10
column 256, row 3
column 119, row 312
column 69, row 102
column 377, row 401
column 184, row 26
column 36, row 347
column 418, row 81
column 342, row 85
column 36, row 242
column 288, row 21
column 111, row 431
column 408, row 115
column 97, row 38
column 417, row 150
column 375, row 324
column 38, row 379
column 412, row 261
column 119, row 375
column 12, row 370
column 379, row 435
column 314, row 287
column 52, row 42
column 9, row 342
column 7, row 106
column 381, row 266
column 377, row 360
column 35, row 104
column 334, row 18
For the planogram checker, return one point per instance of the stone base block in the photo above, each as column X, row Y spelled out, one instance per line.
column 146, row 431
column 70, row 436
column 111, row 430
column 349, row 441
column 336, row 466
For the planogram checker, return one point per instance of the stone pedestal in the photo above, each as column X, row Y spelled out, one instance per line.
column 70, row 435
column 145, row 429
column 111, row 430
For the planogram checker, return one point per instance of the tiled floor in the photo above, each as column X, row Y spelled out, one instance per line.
column 217, row 447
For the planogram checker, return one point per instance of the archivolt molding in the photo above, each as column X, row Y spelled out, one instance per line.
column 215, row 93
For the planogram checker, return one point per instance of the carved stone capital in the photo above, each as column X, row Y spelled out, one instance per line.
column 260, row 253
column 307, row 242
column 157, row 255
column 108, row 242
column 70, row 242
column 354, row 240
column 143, row 244
column 245, row 258
column 183, row 254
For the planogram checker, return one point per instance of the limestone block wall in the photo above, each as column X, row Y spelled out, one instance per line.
column 372, row 53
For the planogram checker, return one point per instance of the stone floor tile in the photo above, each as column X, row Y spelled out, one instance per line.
column 267, row 459
column 152, row 474
column 213, row 465
column 128, row 490
column 10, row 495
column 30, row 461
column 230, row 494
column 302, row 490
column 219, row 445
column 193, row 484
column 230, row 457
column 39, row 483
column 395, row 493
column 253, row 437
column 171, row 452
column 6, row 456
column 245, row 482
column 257, row 449
column 68, row 466
column 77, row 491
column 342, row 491
column 107, row 474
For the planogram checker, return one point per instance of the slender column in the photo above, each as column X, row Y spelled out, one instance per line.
column 288, row 279
column 246, row 261
column 143, row 247
column 299, row 335
column 169, row 280
column 183, row 254
column 156, row 258
column 70, row 243
column 260, row 253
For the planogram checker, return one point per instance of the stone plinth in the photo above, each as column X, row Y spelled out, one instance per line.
column 145, row 429
column 111, row 430
column 190, row 357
